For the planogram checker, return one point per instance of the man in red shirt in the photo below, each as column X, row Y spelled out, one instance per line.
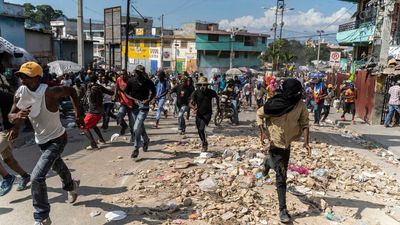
column 126, row 103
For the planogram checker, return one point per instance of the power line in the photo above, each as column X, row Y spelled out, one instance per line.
column 337, row 19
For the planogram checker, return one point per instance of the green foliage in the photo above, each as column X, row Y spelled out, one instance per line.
column 41, row 14
column 293, row 51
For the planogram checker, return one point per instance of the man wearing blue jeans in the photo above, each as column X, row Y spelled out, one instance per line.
column 141, row 90
column 394, row 102
column 183, row 92
column 162, row 88
column 39, row 104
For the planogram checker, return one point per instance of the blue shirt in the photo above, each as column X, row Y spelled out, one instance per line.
column 162, row 87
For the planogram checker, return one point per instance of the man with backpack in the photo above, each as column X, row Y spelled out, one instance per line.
column 94, row 101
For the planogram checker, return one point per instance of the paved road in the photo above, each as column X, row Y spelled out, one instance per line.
column 100, row 172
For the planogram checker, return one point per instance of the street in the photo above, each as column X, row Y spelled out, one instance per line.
column 164, row 185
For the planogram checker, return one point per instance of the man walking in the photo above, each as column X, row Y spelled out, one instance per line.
column 183, row 93
column 162, row 88
column 394, row 102
column 349, row 96
column 286, row 118
column 141, row 90
column 40, row 104
column 201, row 102
column 328, row 102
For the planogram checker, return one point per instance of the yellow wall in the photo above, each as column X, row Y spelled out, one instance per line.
column 139, row 50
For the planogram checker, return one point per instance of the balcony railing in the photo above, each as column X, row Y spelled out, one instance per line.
column 355, row 24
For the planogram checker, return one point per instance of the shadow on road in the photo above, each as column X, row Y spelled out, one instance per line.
column 5, row 210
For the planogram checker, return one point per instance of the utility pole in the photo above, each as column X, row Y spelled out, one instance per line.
column 385, row 33
column 81, row 59
column 231, row 53
column 162, row 42
column 128, row 21
column 90, row 29
column 320, row 32
column 282, row 7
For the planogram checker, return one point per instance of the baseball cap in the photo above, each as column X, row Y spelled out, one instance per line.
column 140, row 68
column 30, row 69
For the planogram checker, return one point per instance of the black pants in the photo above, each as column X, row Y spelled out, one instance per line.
column 201, row 124
column 279, row 161
column 325, row 113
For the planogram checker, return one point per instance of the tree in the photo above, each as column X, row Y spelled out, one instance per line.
column 41, row 14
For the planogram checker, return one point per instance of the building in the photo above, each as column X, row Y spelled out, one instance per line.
column 39, row 45
column 65, row 40
column 67, row 49
column 12, row 20
column 218, row 48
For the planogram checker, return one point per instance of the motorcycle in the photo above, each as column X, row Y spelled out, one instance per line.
column 226, row 111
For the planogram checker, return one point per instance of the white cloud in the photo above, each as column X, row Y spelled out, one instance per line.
column 309, row 21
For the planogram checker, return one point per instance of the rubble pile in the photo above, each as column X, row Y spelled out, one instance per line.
column 229, row 187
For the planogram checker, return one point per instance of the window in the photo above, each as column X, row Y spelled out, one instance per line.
column 249, row 41
column 225, row 54
column 211, row 52
column 213, row 37
column 153, row 44
column 239, row 38
column 246, row 55
column 237, row 55
column 184, row 44
column 146, row 43
column 263, row 40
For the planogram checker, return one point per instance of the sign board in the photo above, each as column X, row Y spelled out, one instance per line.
column 112, row 36
column 335, row 57
column 154, row 53
column 167, row 54
column 139, row 31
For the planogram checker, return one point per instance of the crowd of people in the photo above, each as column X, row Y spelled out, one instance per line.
column 282, row 106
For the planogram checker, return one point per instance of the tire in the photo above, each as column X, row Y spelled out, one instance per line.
column 218, row 118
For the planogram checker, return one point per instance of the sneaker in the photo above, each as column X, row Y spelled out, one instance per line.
column 44, row 222
column 92, row 147
column 23, row 182
column 205, row 147
column 135, row 154
column 284, row 216
column 146, row 145
column 73, row 195
column 6, row 185
column 102, row 142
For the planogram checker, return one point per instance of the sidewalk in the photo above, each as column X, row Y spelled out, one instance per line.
column 388, row 138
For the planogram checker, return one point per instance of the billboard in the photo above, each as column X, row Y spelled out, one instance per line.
column 112, row 36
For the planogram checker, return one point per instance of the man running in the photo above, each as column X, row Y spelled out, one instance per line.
column 126, row 103
column 328, row 102
column 183, row 93
column 394, row 102
column 201, row 102
column 40, row 104
column 94, row 98
column 349, row 96
column 162, row 88
column 286, row 118
column 141, row 90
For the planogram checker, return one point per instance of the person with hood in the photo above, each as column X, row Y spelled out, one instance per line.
column 201, row 102
column 282, row 120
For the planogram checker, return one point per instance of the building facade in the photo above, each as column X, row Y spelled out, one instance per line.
column 218, row 48
column 39, row 44
column 12, row 20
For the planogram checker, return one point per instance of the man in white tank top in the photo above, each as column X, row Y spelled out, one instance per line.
column 39, row 104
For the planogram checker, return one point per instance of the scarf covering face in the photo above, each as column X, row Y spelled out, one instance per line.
column 31, row 99
column 283, row 103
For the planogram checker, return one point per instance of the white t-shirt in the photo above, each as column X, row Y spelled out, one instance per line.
column 66, row 83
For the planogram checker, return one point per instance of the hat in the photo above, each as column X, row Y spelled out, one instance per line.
column 330, row 86
column 392, row 62
column 30, row 69
column 202, row 80
column 140, row 68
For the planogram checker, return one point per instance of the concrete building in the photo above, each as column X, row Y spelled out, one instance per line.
column 39, row 45
column 95, row 32
column 12, row 20
column 67, row 49
column 214, row 48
